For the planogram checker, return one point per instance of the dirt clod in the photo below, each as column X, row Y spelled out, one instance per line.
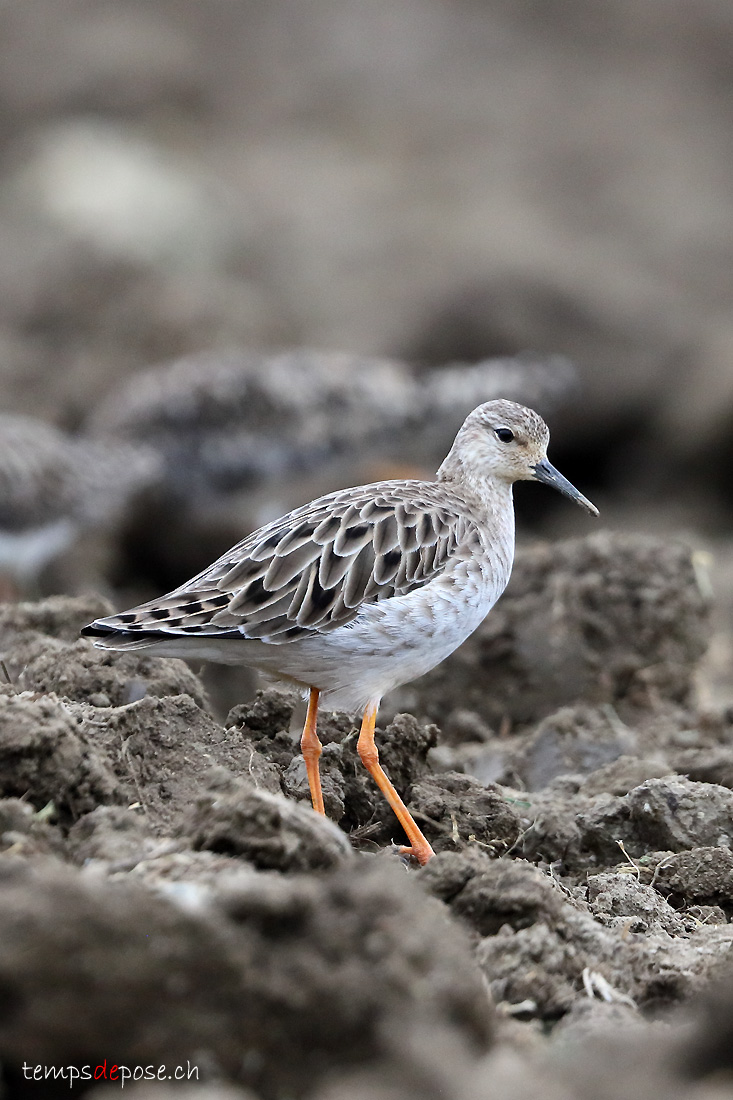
column 162, row 751
column 333, row 963
column 490, row 894
column 614, row 898
column 46, row 758
column 571, row 741
column 269, row 831
column 456, row 810
column 602, row 619
column 701, row 876
column 662, row 814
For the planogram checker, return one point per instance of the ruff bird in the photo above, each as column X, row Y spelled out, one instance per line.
column 361, row 590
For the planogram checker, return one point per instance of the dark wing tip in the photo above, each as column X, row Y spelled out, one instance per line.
column 96, row 630
column 102, row 630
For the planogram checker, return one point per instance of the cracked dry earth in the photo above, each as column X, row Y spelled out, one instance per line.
column 168, row 894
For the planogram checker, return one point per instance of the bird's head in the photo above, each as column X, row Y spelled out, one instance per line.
column 507, row 441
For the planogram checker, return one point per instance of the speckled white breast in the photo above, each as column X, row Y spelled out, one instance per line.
column 394, row 642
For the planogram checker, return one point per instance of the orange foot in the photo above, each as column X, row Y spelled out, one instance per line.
column 421, row 852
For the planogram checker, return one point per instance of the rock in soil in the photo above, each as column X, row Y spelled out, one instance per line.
column 118, row 836
column 27, row 832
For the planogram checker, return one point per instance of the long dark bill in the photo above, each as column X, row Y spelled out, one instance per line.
column 545, row 472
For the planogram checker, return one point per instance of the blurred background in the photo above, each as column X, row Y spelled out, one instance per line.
column 412, row 185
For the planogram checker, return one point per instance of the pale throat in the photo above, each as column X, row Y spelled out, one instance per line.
column 489, row 494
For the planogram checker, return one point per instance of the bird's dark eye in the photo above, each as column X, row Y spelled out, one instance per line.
column 506, row 435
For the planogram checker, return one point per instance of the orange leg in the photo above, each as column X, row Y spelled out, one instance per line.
column 310, row 746
column 367, row 750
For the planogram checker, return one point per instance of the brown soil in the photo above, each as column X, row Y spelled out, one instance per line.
column 168, row 894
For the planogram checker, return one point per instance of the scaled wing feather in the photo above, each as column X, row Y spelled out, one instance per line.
column 312, row 570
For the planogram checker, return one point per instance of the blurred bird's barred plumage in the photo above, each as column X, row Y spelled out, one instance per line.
column 55, row 486
column 235, row 420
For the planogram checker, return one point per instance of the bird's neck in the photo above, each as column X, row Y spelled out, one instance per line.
column 491, row 497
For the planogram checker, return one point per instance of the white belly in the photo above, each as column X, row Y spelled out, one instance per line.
column 394, row 642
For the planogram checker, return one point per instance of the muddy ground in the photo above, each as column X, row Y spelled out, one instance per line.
column 168, row 896
column 434, row 185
